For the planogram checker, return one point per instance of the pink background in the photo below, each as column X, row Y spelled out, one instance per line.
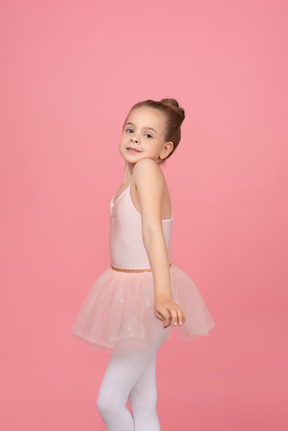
column 70, row 71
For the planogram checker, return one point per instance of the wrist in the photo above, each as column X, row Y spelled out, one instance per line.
column 163, row 296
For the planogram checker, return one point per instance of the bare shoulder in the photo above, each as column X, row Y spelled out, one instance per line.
column 147, row 170
column 149, row 192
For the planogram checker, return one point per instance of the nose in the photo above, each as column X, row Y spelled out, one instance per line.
column 134, row 139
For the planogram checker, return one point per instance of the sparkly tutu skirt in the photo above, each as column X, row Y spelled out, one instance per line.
column 118, row 311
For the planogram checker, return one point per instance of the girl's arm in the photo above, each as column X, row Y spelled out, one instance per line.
column 150, row 183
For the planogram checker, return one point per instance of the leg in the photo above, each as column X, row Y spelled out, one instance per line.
column 143, row 398
column 124, row 369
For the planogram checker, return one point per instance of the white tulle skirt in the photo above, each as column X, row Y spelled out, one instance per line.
column 118, row 311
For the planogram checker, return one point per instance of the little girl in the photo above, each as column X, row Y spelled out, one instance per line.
column 132, row 306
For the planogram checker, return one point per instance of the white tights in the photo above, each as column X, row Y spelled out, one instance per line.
column 130, row 374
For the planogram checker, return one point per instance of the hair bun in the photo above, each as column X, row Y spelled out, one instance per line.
column 174, row 105
column 172, row 102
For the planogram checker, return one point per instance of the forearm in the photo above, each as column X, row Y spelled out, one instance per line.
column 156, row 249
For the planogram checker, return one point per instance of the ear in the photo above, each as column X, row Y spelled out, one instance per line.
column 166, row 150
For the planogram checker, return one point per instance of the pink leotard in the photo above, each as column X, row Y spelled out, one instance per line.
column 125, row 242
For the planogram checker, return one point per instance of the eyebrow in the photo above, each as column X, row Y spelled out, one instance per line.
column 150, row 128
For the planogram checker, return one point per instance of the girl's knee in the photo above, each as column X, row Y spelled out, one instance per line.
column 103, row 405
column 107, row 405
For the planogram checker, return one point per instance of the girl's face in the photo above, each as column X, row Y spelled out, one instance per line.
column 143, row 136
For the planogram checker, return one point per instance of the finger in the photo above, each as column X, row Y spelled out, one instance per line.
column 183, row 315
column 160, row 312
column 164, row 316
column 159, row 316
column 167, row 320
column 180, row 316
column 174, row 316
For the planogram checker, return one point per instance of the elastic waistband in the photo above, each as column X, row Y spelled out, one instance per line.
column 132, row 270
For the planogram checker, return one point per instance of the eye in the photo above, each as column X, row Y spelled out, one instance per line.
column 148, row 135
column 129, row 130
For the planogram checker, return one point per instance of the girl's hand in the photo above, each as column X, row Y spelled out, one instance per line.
column 169, row 312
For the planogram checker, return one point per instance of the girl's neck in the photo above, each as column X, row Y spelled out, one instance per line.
column 128, row 171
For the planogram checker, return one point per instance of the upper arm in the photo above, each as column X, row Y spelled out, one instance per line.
column 150, row 183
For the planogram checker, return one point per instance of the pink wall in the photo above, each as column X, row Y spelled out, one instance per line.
column 70, row 70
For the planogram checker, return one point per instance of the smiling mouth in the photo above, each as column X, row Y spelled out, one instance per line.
column 133, row 149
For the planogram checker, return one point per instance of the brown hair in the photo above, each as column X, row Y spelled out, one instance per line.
column 174, row 118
